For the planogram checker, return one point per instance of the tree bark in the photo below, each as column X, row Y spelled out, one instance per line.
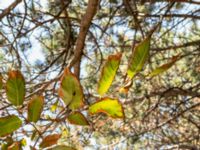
column 84, row 27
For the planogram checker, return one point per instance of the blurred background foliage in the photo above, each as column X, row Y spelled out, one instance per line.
column 38, row 38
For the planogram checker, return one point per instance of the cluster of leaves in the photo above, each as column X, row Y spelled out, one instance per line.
column 55, row 107
column 71, row 93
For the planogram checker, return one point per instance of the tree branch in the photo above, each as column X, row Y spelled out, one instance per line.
column 9, row 9
column 84, row 27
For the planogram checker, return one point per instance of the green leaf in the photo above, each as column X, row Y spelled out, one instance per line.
column 111, row 107
column 138, row 58
column 50, row 140
column 35, row 108
column 77, row 118
column 9, row 124
column 1, row 82
column 15, row 88
column 70, row 90
column 108, row 73
column 164, row 67
column 62, row 147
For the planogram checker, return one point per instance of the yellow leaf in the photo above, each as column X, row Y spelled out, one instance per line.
column 108, row 73
column 111, row 107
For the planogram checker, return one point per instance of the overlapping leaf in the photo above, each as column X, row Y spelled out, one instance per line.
column 164, row 67
column 9, row 124
column 62, row 147
column 35, row 107
column 111, row 107
column 15, row 88
column 108, row 73
column 77, row 118
column 50, row 140
column 70, row 90
column 138, row 58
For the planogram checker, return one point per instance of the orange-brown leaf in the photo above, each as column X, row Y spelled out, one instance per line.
column 50, row 140
column 108, row 73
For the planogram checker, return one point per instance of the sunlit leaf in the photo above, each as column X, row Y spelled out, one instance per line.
column 35, row 107
column 15, row 88
column 23, row 142
column 77, row 118
column 9, row 124
column 65, row 132
column 54, row 107
column 108, row 73
column 138, row 58
column 70, row 90
column 50, row 140
column 111, row 107
column 62, row 147
column 164, row 67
